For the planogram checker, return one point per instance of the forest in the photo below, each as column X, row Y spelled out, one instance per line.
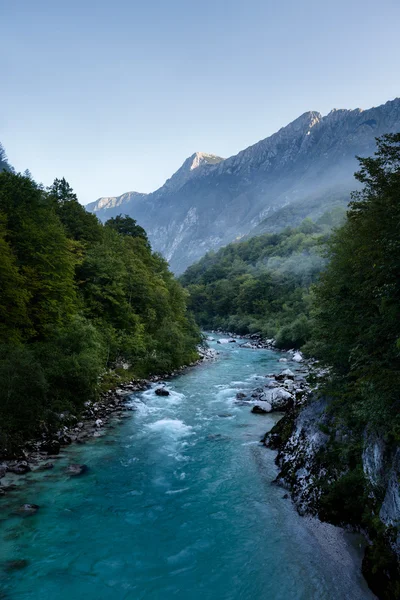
column 262, row 285
column 82, row 306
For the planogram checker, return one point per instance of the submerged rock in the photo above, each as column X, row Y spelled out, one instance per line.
column 27, row 510
column 16, row 564
column 75, row 470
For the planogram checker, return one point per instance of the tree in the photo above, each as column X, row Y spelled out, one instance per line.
column 357, row 303
column 79, row 224
column 127, row 226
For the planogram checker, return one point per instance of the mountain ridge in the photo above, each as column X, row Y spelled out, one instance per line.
column 312, row 159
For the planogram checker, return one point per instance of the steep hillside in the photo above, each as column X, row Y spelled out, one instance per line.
column 305, row 168
column 261, row 285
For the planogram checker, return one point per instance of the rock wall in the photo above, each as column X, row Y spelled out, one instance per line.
column 365, row 496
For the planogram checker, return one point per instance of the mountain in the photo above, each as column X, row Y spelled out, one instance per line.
column 301, row 171
column 4, row 165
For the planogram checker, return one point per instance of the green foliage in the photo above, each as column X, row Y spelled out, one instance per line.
column 79, row 224
column 77, row 299
column 357, row 302
column 260, row 285
column 127, row 226
column 344, row 501
column 355, row 322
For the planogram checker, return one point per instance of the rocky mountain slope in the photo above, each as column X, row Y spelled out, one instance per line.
column 300, row 171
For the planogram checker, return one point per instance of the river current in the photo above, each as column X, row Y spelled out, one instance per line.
column 177, row 504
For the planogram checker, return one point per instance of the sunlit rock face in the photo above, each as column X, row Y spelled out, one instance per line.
column 301, row 171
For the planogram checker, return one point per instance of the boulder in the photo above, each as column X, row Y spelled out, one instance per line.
column 288, row 374
column 297, row 357
column 161, row 392
column 51, row 446
column 261, row 410
column 281, row 399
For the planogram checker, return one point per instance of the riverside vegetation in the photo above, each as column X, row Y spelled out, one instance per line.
column 340, row 453
column 83, row 306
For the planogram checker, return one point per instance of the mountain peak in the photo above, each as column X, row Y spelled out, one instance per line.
column 192, row 167
column 200, row 158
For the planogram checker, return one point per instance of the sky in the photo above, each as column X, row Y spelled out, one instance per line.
column 115, row 95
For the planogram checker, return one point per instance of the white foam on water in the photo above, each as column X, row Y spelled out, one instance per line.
column 143, row 409
column 170, row 492
column 172, row 428
column 174, row 397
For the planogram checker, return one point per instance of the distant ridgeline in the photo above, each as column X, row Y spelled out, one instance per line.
column 82, row 305
column 301, row 171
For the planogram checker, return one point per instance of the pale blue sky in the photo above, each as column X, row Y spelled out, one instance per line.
column 114, row 95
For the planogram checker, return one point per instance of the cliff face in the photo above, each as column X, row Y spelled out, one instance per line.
column 302, row 170
column 313, row 449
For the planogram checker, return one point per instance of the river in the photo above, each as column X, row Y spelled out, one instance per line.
column 177, row 504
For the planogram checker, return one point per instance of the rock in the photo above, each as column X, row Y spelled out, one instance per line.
column 225, row 415
column 75, row 470
column 281, row 399
column 226, row 341
column 261, row 410
column 241, row 396
column 297, row 357
column 27, row 509
column 99, row 423
column 20, row 468
column 283, row 360
column 286, row 374
column 285, row 496
column 3, row 471
column 16, row 564
column 2, row 491
column 51, row 446
column 161, row 392
column 248, row 345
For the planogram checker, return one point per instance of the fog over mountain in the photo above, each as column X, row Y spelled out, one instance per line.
column 302, row 170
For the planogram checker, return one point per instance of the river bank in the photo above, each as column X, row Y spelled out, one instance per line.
column 39, row 454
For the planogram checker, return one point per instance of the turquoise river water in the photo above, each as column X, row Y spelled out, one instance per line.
column 177, row 504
